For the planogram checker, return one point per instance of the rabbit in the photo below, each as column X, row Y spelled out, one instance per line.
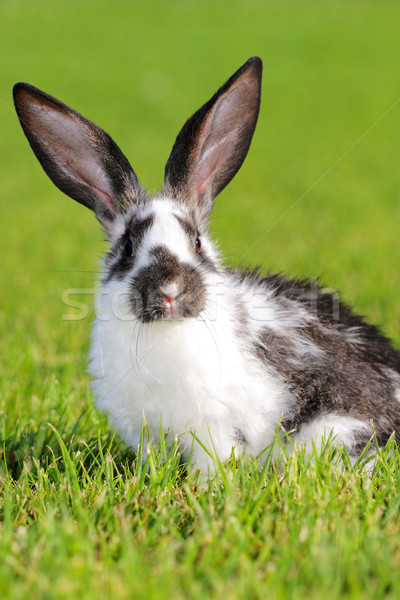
column 217, row 358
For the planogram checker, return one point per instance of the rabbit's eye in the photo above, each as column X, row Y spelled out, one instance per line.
column 128, row 247
column 198, row 244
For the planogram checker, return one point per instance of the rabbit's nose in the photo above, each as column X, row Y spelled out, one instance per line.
column 168, row 299
column 171, row 290
column 170, row 293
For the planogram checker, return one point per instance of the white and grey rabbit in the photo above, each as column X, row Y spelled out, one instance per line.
column 184, row 342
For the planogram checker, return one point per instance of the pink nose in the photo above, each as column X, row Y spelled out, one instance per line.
column 169, row 299
column 170, row 291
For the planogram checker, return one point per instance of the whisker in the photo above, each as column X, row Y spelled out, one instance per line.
column 208, row 323
column 137, row 330
column 145, row 331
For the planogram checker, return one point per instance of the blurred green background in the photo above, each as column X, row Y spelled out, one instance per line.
column 327, row 139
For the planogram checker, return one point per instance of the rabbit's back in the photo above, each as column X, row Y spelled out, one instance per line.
column 328, row 356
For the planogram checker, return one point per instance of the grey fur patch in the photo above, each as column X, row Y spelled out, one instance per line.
column 239, row 437
column 118, row 263
column 187, row 226
column 345, row 377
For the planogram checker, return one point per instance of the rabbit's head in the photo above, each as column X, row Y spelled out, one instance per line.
column 159, row 245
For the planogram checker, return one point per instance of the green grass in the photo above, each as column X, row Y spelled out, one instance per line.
column 83, row 520
column 79, row 517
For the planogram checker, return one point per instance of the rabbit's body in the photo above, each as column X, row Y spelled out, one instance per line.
column 181, row 341
column 261, row 349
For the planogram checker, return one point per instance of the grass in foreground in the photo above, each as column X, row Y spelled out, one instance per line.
column 81, row 519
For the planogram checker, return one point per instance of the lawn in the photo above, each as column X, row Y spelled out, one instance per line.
column 318, row 195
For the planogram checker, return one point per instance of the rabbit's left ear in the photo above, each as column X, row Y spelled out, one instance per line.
column 79, row 157
column 214, row 142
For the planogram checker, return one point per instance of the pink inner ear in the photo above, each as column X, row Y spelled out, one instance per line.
column 60, row 134
column 213, row 156
column 223, row 132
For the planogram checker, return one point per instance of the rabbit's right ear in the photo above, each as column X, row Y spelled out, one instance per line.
column 214, row 142
column 79, row 157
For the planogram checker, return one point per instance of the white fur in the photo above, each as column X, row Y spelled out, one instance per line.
column 344, row 430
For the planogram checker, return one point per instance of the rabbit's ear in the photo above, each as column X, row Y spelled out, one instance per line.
column 79, row 157
column 214, row 142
